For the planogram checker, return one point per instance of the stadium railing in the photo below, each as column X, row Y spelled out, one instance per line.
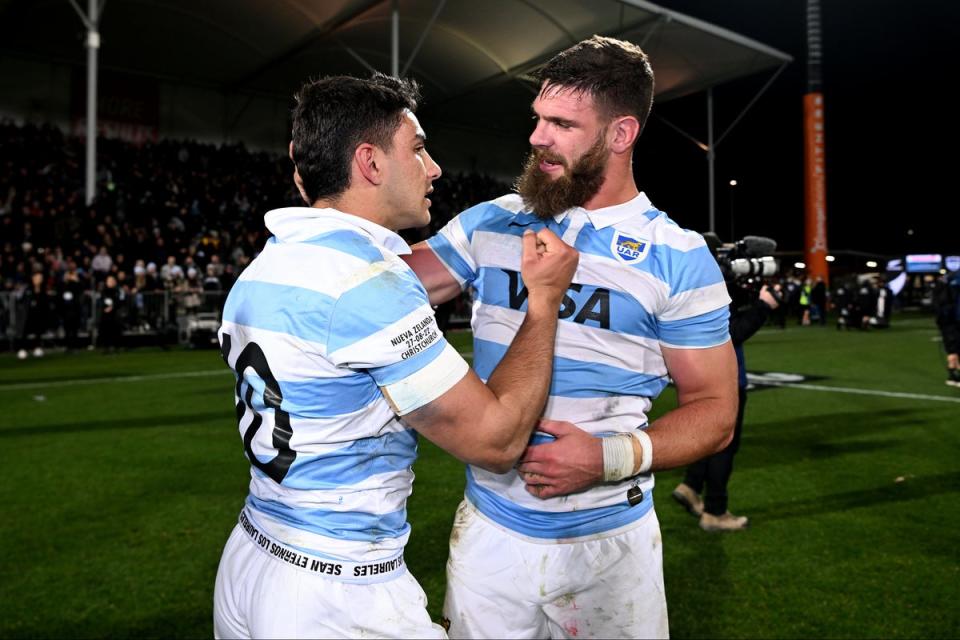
column 162, row 318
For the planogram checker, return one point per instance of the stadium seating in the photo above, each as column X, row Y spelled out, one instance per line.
column 174, row 223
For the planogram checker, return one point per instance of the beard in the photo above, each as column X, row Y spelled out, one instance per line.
column 546, row 196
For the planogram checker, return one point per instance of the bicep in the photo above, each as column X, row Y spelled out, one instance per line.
column 436, row 278
column 452, row 420
column 702, row 373
column 446, row 412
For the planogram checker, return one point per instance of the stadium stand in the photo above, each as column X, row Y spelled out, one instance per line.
column 175, row 224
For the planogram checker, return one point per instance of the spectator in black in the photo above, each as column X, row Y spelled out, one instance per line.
column 37, row 303
column 778, row 316
column 843, row 302
column 711, row 475
column 72, row 288
column 211, row 282
column 818, row 302
column 228, row 278
column 791, row 298
column 152, row 281
column 883, row 306
column 946, row 299
column 866, row 303
column 112, row 299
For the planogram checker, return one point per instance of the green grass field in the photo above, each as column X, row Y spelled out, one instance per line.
column 124, row 474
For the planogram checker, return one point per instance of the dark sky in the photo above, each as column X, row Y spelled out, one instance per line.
column 890, row 150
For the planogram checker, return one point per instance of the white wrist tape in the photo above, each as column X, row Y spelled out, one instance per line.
column 618, row 457
column 646, row 446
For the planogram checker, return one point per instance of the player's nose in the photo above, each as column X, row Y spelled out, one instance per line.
column 433, row 169
column 539, row 138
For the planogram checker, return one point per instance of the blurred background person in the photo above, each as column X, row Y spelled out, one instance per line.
column 885, row 301
column 946, row 300
column 844, row 303
column 110, row 327
column 806, row 291
column 72, row 287
column 791, row 298
column 37, row 302
column 101, row 264
column 867, row 300
column 818, row 302
column 748, row 312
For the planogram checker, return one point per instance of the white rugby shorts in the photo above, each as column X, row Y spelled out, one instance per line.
column 501, row 584
column 259, row 595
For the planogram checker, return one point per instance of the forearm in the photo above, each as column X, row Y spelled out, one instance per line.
column 576, row 460
column 490, row 424
column 690, row 432
column 706, row 381
column 521, row 381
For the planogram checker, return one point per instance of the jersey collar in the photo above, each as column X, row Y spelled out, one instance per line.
column 608, row 216
column 297, row 224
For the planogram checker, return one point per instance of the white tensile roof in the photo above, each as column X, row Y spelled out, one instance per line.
column 472, row 58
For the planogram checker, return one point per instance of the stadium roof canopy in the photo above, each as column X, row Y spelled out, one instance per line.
column 472, row 58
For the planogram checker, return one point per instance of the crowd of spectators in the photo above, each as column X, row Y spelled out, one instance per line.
column 856, row 302
column 864, row 303
column 175, row 216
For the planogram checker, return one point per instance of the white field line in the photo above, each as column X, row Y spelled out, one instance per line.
column 87, row 381
column 863, row 392
column 214, row 372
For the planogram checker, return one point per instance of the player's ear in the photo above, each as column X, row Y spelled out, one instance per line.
column 623, row 133
column 297, row 179
column 368, row 160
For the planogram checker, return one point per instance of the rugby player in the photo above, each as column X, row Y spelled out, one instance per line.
column 340, row 364
column 568, row 544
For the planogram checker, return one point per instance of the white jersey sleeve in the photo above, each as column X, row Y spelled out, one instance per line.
column 386, row 326
column 695, row 313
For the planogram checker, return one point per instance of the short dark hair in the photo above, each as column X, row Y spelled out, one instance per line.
column 334, row 115
column 616, row 73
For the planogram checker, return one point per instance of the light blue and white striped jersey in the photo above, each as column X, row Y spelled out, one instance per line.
column 332, row 337
column 642, row 282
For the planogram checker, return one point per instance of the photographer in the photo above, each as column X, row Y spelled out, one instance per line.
column 749, row 310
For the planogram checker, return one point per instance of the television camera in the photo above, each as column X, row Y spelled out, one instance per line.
column 746, row 262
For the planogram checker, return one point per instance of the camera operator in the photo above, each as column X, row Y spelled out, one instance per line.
column 749, row 311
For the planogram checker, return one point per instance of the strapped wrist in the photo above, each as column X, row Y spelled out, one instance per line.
column 619, row 456
column 619, row 459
